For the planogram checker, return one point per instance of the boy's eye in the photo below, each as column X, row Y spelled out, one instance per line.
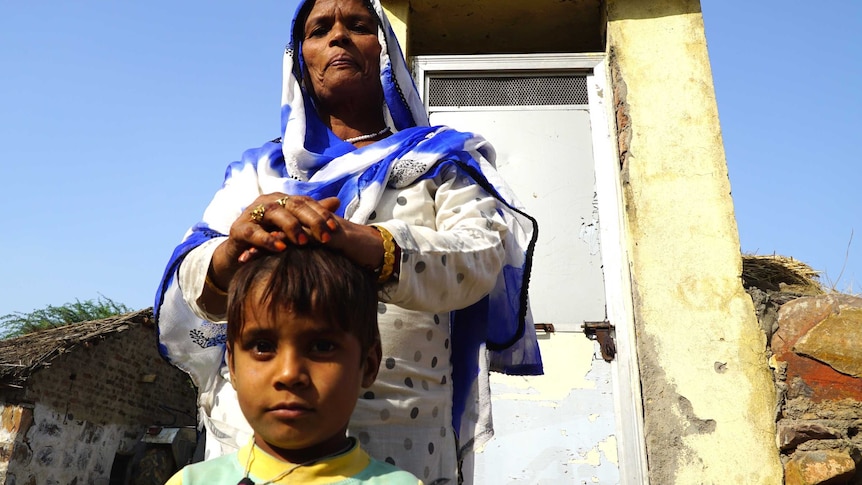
column 263, row 347
column 323, row 346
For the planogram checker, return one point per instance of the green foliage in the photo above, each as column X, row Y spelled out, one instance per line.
column 18, row 323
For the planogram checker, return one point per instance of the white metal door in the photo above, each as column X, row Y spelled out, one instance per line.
column 579, row 423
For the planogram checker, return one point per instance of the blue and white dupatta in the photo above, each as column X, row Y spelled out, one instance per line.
column 311, row 160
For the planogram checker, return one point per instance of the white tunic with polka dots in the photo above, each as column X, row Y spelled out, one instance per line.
column 451, row 253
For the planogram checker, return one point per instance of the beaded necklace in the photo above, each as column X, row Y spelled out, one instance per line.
column 367, row 137
column 248, row 481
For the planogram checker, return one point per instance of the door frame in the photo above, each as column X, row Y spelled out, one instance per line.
column 624, row 368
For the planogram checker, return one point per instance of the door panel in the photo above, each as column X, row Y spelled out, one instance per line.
column 559, row 427
column 546, row 156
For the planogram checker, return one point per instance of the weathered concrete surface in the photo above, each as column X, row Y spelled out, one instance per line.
column 706, row 382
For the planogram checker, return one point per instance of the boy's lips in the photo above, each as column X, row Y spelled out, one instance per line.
column 289, row 410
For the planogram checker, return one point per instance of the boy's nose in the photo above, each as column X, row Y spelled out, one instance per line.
column 292, row 371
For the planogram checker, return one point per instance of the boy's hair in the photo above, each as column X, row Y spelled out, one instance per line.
column 312, row 281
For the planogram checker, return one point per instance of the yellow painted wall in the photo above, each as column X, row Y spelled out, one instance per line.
column 707, row 390
column 399, row 15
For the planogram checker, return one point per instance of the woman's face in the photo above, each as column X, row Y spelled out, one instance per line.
column 341, row 50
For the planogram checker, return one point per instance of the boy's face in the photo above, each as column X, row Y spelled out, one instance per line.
column 297, row 379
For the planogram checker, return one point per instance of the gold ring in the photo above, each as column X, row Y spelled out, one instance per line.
column 282, row 201
column 256, row 214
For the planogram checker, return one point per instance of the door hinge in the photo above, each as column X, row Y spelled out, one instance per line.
column 601, row 332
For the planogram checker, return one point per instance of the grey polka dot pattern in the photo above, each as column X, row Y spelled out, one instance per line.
column 401, row 201
column 456, row 210
column 407, row 411
column 368, row 395
column 372, row 216
column 404, row 257
column 459, row 278
column 381, row 308
column 442, row 432
column 390, row 460
column 420, row 267
column 364, row 438
column 443, row 259
column 431, row 448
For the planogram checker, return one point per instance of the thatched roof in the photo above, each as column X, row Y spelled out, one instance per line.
column 21, row 356
column 779, row 273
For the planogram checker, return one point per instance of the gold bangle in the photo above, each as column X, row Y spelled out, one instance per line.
column 388, row 266
column 214, row 287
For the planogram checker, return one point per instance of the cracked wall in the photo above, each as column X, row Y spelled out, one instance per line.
column 700, row 349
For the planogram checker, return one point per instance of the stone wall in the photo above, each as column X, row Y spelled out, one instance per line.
column 816, row 358
column 93, row 403
column 12, row 419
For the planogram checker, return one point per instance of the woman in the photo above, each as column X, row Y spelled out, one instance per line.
column 358, row 169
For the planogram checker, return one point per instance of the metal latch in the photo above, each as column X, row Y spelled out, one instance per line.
column 601, row 332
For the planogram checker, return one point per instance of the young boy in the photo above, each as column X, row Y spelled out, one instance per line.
column 302, row 340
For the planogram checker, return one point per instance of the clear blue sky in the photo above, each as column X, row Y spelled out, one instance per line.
column 120, row 117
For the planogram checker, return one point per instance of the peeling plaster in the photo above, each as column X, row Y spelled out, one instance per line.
column 556, row 432
column 568, row 358
column 593, row 456
column 589, row 232
column 609, row 448
column 695, row 425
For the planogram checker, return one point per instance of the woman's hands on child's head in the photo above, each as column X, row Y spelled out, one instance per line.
column 274, row 220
